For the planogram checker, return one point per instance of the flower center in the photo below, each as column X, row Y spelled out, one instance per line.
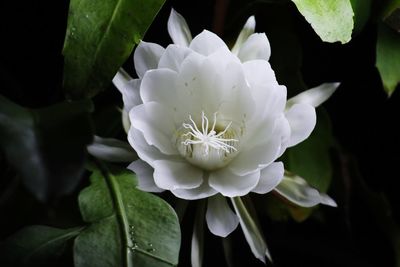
column 209, row 147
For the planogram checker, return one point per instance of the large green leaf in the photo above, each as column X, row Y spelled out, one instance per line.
column 47, row 147
column 100, row 36
column 311, row 158
column 128, row 227
column 332, row 20
column 388, row 57
column 35, row 245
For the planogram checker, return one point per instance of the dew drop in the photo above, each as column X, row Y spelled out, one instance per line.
column 150, row 248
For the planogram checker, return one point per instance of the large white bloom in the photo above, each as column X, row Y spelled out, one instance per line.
column 208, row 122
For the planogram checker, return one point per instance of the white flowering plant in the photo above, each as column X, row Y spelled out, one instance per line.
column 201, row 145
column 209, row 122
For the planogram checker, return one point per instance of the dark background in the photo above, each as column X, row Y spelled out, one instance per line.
column 360, row 232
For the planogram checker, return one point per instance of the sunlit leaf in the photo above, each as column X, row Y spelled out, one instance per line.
column 332, row 20
column 100, row 37
column 128, row 227
column 388, row 57
column 35, row 245
column 47, row 147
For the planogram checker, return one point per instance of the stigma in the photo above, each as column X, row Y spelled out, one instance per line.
column 205, row 145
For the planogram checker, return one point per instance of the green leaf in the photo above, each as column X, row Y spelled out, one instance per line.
column 311, row 159
column 332, row 20
column 128, row 227
column 36, row 245
column 100, row 37
column 388, row 57
column 47, row 147
column 390, row 7
column 362, row 11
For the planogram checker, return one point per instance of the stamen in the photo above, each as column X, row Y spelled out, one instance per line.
column 208, row 138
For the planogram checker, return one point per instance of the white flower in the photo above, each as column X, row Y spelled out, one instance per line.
column 208, row 122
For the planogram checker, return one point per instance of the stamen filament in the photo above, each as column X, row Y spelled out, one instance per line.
column 208, row 138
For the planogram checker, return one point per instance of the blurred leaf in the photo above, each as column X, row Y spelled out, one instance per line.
column 388, row 57
column 100, row 37
column 36, row 245
column 128, row 227
column 393, row 20
column 311, row 158
column 389, row 7
column 47, row 147
column 332, row 20
column 300, row 214
column 377, row 204
column 362, row 11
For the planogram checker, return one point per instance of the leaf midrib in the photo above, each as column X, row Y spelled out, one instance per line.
column 106, row 32
column 122, row 218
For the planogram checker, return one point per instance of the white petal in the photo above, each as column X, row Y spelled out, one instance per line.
column 260, row 151
column 146, row 57
column 230, row 184
column 221, row 220
column 199, row 78
column 286, row 133
column 314, row 96
column 111, row 149
column 195, row 88
column 269, row 95
column 302, row 120
column 251, row 232
column 173, row 175
column 206, row 43
column 144, row 173
column 145, row 151
column 256, row 47
column 259, row 72
column 178, row 29
column 173, row 57
column 156, row 123
column 236, row 103
column 159, row 86
column 296, row 190
column 203, row 191
column 270, row 177
column 248, row 29
column 129, row 89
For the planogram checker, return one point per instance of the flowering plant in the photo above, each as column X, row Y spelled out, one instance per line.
column 215, row 146
column 209, row 122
